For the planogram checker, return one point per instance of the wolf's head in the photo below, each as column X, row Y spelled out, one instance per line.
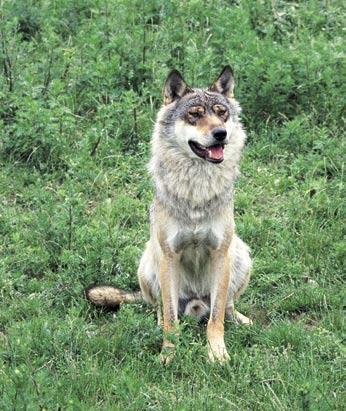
column 199, row 121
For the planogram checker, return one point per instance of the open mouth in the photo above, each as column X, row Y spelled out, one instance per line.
column 213, row 153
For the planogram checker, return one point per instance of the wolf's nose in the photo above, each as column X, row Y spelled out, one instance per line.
column 219, row 134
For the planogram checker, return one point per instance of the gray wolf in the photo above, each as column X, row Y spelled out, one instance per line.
column 194, row 263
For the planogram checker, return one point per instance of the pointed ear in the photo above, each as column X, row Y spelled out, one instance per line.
column 175, row 87
column 224, row 84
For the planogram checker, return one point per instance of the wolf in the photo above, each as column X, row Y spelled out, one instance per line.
column 194, row 263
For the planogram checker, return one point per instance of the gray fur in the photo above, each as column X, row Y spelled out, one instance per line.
column 198, row 197
column 172, row 169
column 197, row 96
column 194, row 255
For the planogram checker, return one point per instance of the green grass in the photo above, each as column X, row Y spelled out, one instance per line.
column 79, row 89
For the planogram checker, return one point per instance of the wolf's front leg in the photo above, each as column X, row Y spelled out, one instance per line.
column 218, row 297
column 169, row 283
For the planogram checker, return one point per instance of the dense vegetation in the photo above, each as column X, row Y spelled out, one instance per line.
column 80, row 85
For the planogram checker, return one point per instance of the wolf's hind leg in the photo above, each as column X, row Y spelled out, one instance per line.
column 239, row 280
column 236, row 316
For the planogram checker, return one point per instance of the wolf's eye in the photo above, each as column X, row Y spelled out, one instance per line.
column 195, row 113
column 219, row 110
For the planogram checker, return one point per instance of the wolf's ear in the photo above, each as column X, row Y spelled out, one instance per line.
column 175, row 87
column 224, row 84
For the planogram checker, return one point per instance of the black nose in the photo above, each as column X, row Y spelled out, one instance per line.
column 219, row 134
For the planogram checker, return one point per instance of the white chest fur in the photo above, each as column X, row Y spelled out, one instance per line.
column 194, row 248
column 185, row 238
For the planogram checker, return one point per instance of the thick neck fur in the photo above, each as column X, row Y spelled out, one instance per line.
column 192, row 189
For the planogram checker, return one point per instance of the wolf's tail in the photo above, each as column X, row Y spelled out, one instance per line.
column 111, row 297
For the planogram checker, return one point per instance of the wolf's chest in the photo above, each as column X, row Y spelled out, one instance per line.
column 191, row 241
column 196, row 267
column 195, row 248
column 195, row 260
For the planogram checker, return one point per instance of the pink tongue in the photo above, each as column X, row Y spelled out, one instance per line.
column 215, row 152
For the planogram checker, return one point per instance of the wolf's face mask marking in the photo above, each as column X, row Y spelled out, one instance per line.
column 200, row 121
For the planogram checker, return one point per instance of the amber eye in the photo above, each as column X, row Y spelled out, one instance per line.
column 195, row 113
column 221, row 111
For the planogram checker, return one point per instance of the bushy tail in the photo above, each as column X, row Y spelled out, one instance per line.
column 111, row 297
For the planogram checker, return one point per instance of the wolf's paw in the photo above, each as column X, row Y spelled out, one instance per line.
column 218, row 353
column 239, row 318
column 167, row 353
